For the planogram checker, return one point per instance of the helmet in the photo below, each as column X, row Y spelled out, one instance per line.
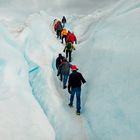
column 74, row 67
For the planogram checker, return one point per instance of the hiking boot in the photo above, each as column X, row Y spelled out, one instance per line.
column 70, row 105
column 64, row 87
column 78, row 112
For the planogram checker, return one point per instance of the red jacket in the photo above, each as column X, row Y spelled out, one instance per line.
column 71, row 38
column 56, row 25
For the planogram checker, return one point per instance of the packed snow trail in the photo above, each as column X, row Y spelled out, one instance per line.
column 78, row 121
column 110, row 45
column 41, row 51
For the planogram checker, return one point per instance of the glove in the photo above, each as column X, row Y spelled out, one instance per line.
column 69, row 91
column 84, row 82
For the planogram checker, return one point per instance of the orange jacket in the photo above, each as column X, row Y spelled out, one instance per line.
column 64, row 32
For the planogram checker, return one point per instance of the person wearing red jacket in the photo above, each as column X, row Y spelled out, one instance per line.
column 58, row 28
column 55, row 25
column 71, row 38
column 68, row 33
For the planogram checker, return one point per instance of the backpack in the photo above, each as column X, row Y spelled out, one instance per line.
column 65, row 68
column 68, row 46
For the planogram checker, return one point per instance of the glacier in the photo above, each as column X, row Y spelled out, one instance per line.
column 33, row 103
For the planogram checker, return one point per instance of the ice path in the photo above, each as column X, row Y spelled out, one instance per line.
column 47, row 88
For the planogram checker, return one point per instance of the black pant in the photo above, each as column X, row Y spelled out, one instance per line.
column 60, row 72
column 68, row 54
column 58, row 33
column 64, row 37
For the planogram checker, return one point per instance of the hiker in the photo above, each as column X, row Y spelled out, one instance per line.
column 64, row 21
column 58, row 27
column 64, row 69
column 74, row 87
column 59, row 60
column 54, row 23
column 68, row 49
column 64, row 34
column 68, row 36
column 72, row 38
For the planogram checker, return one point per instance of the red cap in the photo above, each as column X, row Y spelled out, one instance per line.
column 73, row 67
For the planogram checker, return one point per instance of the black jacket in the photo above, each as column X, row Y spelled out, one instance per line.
column 75, row 80
column 59, row 61
column 63, row 20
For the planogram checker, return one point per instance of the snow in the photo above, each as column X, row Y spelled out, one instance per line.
column 113, row 98
column 21, row 116
column 33, row 104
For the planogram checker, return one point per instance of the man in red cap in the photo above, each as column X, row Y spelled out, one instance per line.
column 74, row 87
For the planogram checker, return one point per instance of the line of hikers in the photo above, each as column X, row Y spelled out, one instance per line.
column 64, row 34
column 74, row 79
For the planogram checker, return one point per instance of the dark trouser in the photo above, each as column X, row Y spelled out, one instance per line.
column 61, row 77
column 78, row 100
column 60, row 73
column 58, row 33
column 64, row 37
column 63, row 24
column 68, row 54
